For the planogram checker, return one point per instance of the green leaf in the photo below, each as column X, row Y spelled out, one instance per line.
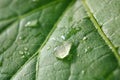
column 59, row 40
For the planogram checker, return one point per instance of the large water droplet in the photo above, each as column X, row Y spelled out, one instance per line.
column 63, row 51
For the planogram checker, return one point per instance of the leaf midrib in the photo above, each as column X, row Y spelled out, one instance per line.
column 97, row 26
column 50, row 33
column 100, row 31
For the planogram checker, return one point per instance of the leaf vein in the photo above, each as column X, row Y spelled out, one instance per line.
column 102, row 34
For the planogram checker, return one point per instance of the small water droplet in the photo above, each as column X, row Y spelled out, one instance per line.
column 23, row 56
column 85, row 38
column 110, row 47
column 25, row 48
column 20, row 37
column 53, row 38
column 63, row 51
column 28, row 53
column 82, row 72
column 63, row 37
column 27, row 24
column 86, row 50
column 31, row 23
column 25, row 52
column 21, row 52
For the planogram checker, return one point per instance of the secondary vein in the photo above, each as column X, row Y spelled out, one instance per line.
column 44, row 42
column 100, row 31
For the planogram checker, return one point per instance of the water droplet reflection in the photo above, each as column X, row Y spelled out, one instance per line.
column 63, row 51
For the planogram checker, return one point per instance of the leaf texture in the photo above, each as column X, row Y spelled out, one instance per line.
column 32, row 30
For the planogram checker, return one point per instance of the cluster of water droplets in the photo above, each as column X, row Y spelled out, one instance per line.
column 24, row 53
column 76, row 26
column 63, row 50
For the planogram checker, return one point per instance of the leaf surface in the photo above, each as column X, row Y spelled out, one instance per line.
column 33, row 33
